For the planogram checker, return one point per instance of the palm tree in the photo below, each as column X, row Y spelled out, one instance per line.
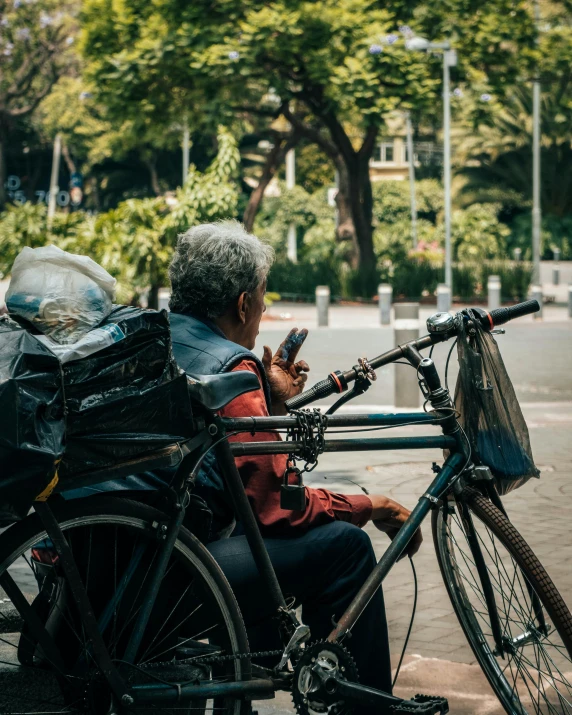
column 495, row 156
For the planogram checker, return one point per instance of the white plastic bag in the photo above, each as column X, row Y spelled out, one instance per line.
column 64, row 295
column 92, row 342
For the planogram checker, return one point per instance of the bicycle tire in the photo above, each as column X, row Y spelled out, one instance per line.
column 513, row 696
column 137, row 520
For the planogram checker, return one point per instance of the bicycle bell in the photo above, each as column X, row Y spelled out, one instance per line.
column 440, row 323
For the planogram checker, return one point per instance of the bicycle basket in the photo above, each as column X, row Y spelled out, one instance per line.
column 490, row 413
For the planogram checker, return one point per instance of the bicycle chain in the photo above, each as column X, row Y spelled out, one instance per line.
column 207, row 659
column 310, row 445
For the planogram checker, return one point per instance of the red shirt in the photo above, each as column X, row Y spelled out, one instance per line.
column 262, row 476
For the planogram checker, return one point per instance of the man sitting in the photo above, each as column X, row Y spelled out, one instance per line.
column 321, row 555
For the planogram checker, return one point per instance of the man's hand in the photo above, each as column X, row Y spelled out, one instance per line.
column 389, row 516
column 285, row 376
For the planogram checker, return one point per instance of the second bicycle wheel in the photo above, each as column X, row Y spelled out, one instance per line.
column 194, row 622
column 534, row 672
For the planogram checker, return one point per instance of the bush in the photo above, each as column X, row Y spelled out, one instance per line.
column 556, row 233
column 301, row 279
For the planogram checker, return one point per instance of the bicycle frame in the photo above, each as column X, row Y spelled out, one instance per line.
column 226, row 452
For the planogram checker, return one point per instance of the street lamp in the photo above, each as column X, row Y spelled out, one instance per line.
column 411, row 161
column 536, row 210
column 420, row 44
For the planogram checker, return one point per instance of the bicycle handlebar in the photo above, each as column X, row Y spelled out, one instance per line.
column 503, row 315
column 337, row 382
column 324, row 388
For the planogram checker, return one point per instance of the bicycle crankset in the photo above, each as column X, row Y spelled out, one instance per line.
column 319, row 663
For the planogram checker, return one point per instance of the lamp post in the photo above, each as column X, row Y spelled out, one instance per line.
column 186, row 151
column 536, row 211
column 291, row 247
column 420, row 44
column 411, row 180
column 54, row 188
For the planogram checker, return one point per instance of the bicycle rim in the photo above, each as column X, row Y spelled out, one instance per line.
column 115, row 545
column 534, row 674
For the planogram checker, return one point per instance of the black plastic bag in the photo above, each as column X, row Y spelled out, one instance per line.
column 61, row 421
column 489, row 411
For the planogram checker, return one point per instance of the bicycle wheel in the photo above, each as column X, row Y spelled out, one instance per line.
column 114, row 542
column 535, row 673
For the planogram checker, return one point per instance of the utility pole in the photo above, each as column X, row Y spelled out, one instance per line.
column 54, row 187
column 411, row 179
column 186, row 151
column 449, row 60
column 420, row 44
column 536, row 209
column 291, row 249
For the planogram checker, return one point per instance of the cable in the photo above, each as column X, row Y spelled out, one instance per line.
column 410, row 624
column 447, row 365
column 351, row 481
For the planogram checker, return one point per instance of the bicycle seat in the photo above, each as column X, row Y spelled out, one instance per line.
column 216, row 391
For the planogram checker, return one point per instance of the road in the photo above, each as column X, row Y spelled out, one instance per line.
column 536, row 353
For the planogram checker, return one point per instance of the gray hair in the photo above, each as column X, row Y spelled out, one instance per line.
column 213, row 264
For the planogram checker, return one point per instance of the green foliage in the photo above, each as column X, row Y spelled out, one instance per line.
column 392, row 201
column 135, row 241
column 556, row 233
column 21, row 226
column 477, row 234
column 494, row 149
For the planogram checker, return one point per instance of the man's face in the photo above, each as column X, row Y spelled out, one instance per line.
column 254, row 307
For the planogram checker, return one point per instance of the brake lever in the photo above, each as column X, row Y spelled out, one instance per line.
column 497, row 331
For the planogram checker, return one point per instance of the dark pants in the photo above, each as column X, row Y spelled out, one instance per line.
column 323, row 570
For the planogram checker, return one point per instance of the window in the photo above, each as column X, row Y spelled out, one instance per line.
column 386, row 151
column 406, row 154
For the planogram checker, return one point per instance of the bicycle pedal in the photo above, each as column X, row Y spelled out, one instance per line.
column 422, row 705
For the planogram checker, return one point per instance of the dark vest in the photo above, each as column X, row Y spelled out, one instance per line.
column 200, row 348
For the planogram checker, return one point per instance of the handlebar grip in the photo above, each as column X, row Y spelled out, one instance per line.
column 430, row 374
column 503, row 315
column 320, row 389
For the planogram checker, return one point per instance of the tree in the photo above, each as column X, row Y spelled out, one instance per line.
column 494, row 143
column 337, row 66
column 35, row 49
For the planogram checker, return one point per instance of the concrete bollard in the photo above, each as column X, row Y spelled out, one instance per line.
column 494, row 292
column 570, row 300
column 517, row 254
column 323, row 305
column 385, row 294
column 556, row 268
column 164, row 298
column 406, row 327
column 536, row 294
column 443, row 298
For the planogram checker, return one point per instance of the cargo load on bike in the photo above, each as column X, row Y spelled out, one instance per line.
column 110, row 396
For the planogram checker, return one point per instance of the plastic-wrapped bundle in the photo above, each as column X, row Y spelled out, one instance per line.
column 62, row 294
column 490, row 413
column 64, row 421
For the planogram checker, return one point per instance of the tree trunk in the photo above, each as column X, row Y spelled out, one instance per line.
column 153, row 298
column 152, row 166
column 273, row 161
column 72, row 168
column 361, row 207
column 346, row 230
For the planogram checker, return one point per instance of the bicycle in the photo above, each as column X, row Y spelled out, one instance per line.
column 163, row 631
